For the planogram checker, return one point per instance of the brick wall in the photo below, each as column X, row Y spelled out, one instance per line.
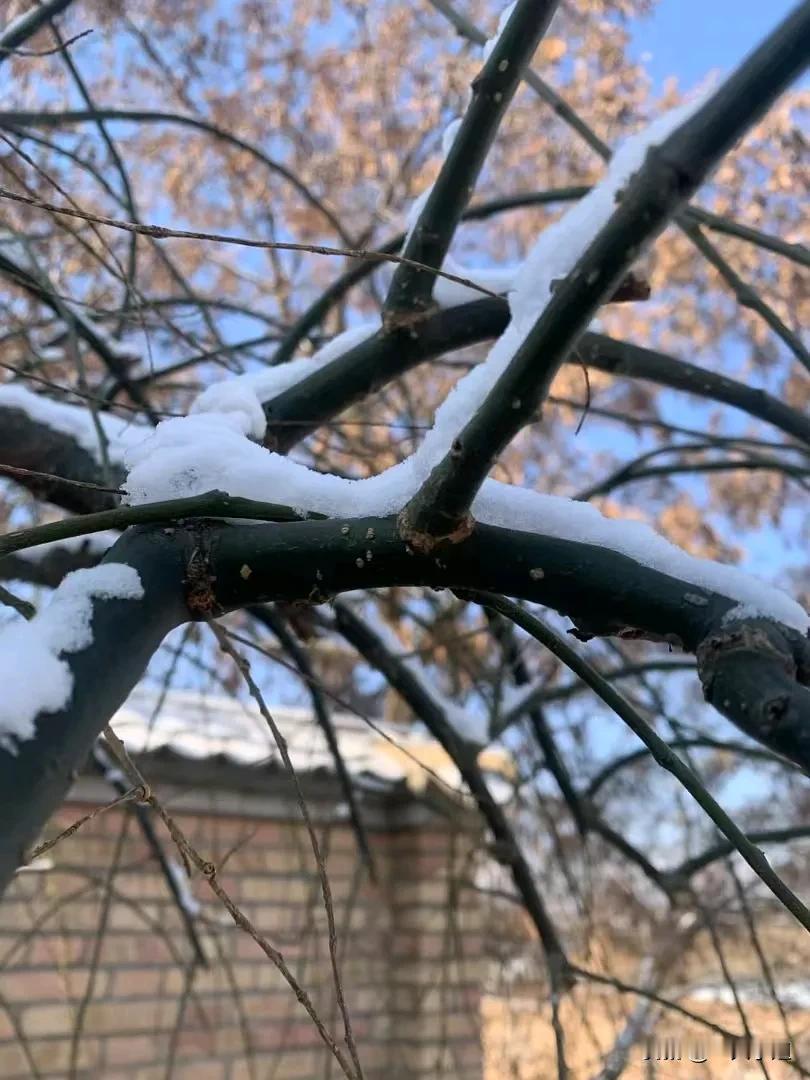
column 101, row 977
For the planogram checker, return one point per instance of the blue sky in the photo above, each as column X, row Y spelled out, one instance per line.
column 688, row 38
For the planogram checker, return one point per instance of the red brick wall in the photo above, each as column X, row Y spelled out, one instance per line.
column 105, row 974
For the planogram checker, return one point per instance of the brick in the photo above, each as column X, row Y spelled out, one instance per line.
column 295, row 1066
column 231, row 1040
column 54, row 1055
column 292, row 890
column 16, row 914
column 27, row 985
column 47, row 1020
column 200, row 1070
column 112, row 1017
column 137, row 982
column 6, row 1028
column 13, row 1061
column 273, row 879
column 47, row 950
column 130, row 917
column 132, row 1049
column 136, row 949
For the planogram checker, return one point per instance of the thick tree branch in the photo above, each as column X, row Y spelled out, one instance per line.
column 492, row 91
column 204, row 568
column 35, row 779
column 368, row 367
column 758, row 675
column 634, row 361
column 688, row 217
column 374, row 363
column 50, row 568
column 28, row 444
column 671, row 173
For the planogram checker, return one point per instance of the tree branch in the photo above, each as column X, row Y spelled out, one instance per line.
column 271, row 618
column 35, row 779
column 660, row 750
column 690, row 867
column 17, row 119
column 643, row 753
column 203, row 568
column 671, row 173
column 492, row 91
column 25, row 26
column 463, row 754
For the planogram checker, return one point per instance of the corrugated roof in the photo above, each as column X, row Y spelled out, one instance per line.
column 197, row 726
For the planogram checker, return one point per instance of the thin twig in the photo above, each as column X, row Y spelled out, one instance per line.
column 162, row 232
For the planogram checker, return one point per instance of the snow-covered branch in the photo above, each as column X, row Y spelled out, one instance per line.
column 587, row 252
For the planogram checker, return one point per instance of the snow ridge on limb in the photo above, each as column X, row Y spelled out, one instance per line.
column 76, row 422
column 34, row 676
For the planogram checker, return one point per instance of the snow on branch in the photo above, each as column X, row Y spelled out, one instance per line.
column 189, row 902
column 25, row 25
column 647, row 183
column 34, row 676
column 209, row 450
column 206, row 452
column 76, row 422
column 246, row 394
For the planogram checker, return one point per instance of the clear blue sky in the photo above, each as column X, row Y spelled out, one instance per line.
column 689, row 38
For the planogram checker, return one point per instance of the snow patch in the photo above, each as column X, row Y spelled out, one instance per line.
column 244, row 394
column 489, row 45
column 237, row 399
column 201, row 453
column 188, row 901
column 75, row 421
column 34, row 677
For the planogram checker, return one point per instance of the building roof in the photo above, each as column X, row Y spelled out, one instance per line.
column 232, row 739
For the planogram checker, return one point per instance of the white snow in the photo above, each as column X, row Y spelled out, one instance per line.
column 496, row 279
column 75, row 421
column 449, row 135
column 188, row 901
column 243, row 394
column 793, row 995
column 34, row 677
column 199, row 453
column 232, row 397
column 489, row 45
